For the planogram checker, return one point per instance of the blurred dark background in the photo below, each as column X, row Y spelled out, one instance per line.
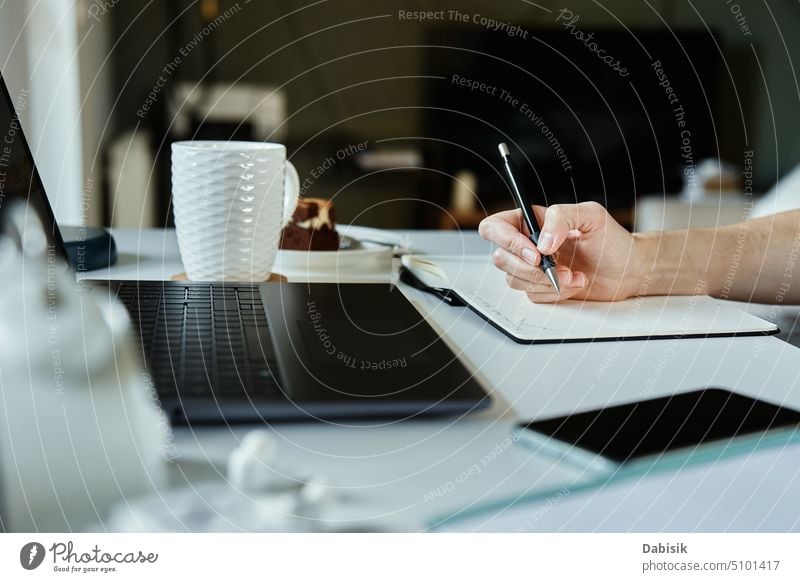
column 372, row 87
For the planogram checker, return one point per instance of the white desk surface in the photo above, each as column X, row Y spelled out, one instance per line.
column 410, row 461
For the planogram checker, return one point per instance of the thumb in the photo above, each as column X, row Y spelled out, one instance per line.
column 560, row 219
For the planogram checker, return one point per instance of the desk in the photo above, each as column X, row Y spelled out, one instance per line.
column 406, row 469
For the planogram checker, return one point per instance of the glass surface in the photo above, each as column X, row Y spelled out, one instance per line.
column 651, row 427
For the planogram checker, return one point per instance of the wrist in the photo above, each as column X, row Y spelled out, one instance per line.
column 642, row 278
column 671, row 263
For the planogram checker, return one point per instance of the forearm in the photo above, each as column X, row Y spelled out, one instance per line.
column 748, row 261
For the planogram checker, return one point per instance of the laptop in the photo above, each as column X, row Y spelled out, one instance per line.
column 239, row 352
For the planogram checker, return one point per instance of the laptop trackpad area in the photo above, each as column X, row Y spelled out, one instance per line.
column 361, row 343
column 379, row 355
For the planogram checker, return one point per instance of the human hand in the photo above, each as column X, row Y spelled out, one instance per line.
column 597, row 258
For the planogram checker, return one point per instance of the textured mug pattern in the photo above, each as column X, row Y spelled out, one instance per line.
column 229, row 204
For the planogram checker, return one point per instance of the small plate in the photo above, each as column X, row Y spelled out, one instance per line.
column 348, row 244
column 354, row 261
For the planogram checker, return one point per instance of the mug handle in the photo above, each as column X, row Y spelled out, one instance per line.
column 291, row 192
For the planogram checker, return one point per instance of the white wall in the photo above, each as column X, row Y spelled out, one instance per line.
column 13, row 54
column 39, row 59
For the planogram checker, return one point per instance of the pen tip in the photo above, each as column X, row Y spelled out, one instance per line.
column 503, row 149
column 551, row 274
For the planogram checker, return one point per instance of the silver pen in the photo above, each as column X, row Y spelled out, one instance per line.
column 547, row 264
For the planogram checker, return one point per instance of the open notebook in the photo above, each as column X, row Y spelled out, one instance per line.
column 476, row 281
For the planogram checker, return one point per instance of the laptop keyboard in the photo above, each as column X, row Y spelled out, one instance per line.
column 203, row 339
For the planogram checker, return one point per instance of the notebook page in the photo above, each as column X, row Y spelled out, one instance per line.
column 483, row 286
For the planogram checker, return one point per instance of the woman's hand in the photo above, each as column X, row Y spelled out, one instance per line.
column 597, row 258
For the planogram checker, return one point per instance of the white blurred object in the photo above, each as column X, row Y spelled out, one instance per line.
column 375, row 160
column 250, row 465
column 261, row 105
column 259, row 496
column 659, row 212
column 464, row 195
column 130, row 169
column 711, row 179
column 783, row 196
column 80, row 431
column 42, row 56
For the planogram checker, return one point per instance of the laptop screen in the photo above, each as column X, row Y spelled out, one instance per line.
column 19, row 179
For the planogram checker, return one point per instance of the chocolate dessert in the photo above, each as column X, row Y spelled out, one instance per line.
column 312, row 227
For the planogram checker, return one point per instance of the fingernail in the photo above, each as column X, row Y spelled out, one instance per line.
column 529, row 256
column 545, row 240
column 579, row 280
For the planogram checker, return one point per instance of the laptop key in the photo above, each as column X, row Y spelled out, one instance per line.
column 258, row 344
column 204, row 341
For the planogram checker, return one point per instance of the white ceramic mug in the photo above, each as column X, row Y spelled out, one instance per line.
column 231, row 199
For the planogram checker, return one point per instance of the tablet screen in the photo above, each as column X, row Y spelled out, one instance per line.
column 650, row 427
